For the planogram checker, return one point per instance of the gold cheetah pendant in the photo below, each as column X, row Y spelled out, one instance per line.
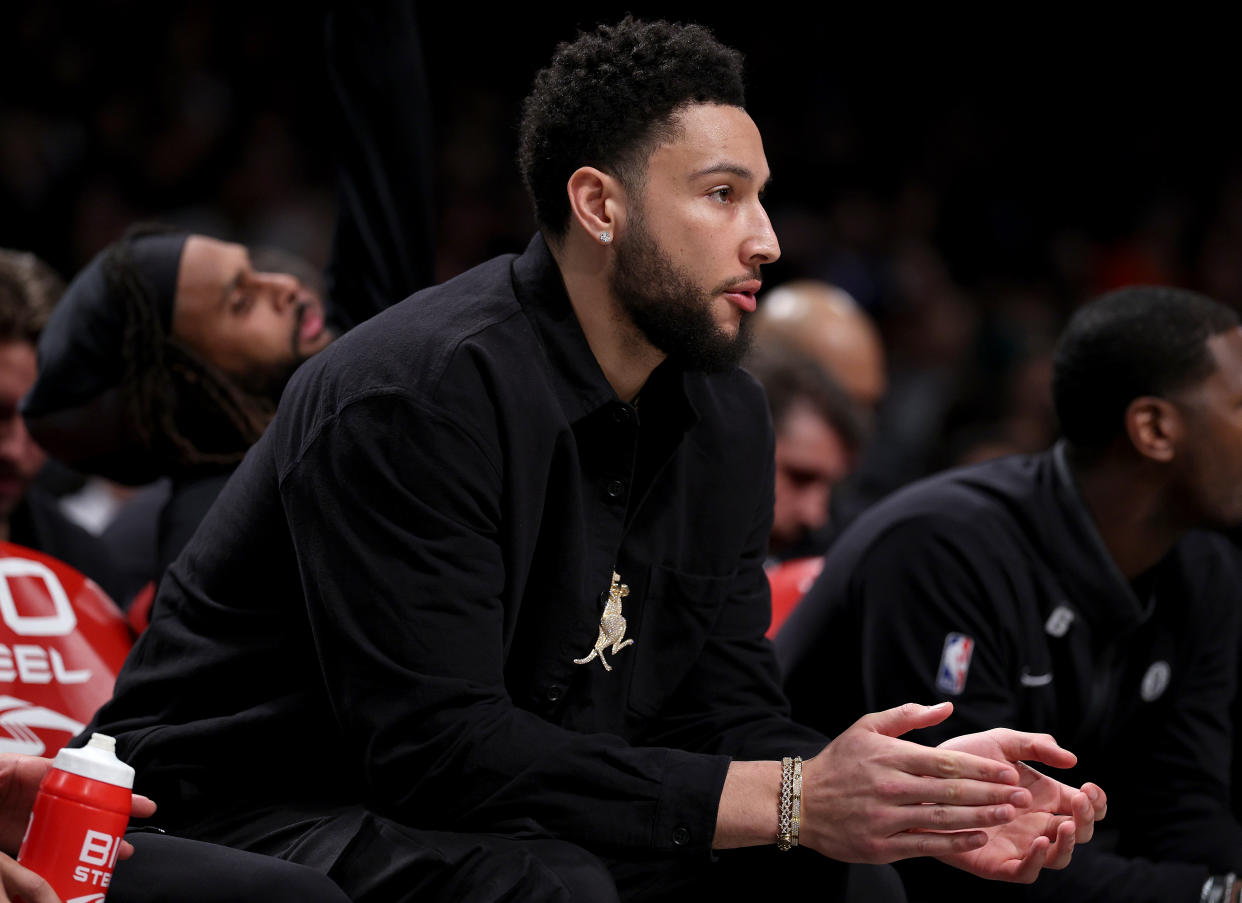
column 611, row 625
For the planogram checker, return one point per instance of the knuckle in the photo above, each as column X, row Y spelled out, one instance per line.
column 888, row 789
column 963, row 842
column 871, row 849
column 36, row 886
column 946, row 764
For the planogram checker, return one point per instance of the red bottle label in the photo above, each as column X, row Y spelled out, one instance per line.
column 75, row 834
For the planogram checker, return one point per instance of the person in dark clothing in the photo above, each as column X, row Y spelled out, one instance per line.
column 498, row 566
column 169, row 352
column 819, row 431
column 167, row 868
column 1071, row 592
column 29, row 516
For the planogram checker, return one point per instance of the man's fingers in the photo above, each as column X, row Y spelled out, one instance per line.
column 954, row 818
column 1099, row 799
column 916, row 843
column 1062, row 848
column 1027, row 869
column 1035, row 747
column 142, row 806
column 905, row 718
column 1084, row 818
column 936, row 762
column 23, row 882
column 957, row 793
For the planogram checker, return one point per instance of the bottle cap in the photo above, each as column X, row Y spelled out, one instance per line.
column 97, row 761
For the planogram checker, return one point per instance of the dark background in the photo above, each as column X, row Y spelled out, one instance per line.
column 970, row 181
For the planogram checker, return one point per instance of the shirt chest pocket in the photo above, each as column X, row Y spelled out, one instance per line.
column 678, row 615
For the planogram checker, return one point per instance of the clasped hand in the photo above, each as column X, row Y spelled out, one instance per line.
column 971, row 802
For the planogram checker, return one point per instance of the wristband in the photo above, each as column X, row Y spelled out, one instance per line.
column 790, row 816
column 1218, row 889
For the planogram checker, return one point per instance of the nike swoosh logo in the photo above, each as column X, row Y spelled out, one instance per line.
column 1027, row 679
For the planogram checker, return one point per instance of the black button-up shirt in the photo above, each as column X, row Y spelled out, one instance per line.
column 405, row 568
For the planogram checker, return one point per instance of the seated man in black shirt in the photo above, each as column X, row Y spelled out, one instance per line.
column 497, row 567
column 1070, row 592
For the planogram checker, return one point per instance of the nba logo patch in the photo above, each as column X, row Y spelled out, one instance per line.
column 954, row 663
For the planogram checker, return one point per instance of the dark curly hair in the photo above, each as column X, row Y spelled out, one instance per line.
column 608, row 99
column 1136, row 341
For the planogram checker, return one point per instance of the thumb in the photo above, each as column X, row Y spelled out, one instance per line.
column 908, row 717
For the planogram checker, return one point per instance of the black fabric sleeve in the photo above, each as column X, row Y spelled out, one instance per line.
column 383, row 246
column 395, row 511
column 916, row 585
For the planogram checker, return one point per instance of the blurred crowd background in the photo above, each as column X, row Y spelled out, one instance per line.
column 969, row 192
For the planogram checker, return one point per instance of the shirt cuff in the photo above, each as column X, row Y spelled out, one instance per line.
column 685, row 817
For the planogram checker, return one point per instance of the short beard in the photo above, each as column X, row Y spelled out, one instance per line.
column 264, row 383
column 666, row 306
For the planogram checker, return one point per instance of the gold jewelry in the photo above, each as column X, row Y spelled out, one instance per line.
column 611, row 625
column 790, row 816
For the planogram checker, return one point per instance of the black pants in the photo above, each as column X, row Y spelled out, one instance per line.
column 167, row 869
column 376, row 860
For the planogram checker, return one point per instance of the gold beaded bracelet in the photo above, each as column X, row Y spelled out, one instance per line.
column 790, row 816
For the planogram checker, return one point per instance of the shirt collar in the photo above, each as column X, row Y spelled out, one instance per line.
column 1089, row 568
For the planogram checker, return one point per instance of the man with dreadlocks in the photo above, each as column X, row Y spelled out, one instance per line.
column 166, row 867
column 169, row 351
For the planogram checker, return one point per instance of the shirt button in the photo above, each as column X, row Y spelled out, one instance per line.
column 621, row 414
column 615, row 490
column 555, row 692
column 681, row 835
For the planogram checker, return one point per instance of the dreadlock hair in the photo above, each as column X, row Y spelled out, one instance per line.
column 29, row 289
column 180, row 406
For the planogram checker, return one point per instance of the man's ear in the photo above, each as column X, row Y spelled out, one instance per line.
column 597, row 203
column 1155, row 427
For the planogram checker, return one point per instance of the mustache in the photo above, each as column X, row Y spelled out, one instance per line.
column 738, row 280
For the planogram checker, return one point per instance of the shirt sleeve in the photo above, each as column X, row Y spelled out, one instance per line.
column 395, row 512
